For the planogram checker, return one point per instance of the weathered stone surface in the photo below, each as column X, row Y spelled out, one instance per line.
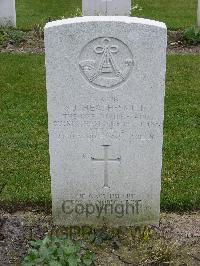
column 106, row 7
column 7, row 13
column 105, row 85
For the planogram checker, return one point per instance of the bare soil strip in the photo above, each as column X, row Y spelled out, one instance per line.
column 32, row 42
column 179, row 233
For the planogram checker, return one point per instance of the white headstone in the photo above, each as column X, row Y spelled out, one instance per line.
column 105, row 85
column 106, row 7
column 7, row 13
column 198, row 14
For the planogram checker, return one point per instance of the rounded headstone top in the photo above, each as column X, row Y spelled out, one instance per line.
column 123, row 19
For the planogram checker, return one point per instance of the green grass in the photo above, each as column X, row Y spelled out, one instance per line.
column 32, row 12
column 181, row 168
column 24, row 159
column 24, row 138
column 176, row 13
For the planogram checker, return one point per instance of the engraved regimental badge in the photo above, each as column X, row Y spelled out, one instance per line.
column 106, row 62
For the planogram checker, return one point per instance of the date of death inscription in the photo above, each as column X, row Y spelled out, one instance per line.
column 114, row 121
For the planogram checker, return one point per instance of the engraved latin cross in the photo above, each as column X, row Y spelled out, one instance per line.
column 106, row 160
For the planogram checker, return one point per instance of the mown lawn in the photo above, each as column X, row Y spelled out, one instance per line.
column 24, row 157
column 33, row 12
column 181, row 167
column 176, row 13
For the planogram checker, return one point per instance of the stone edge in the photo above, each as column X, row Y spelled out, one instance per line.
column 123, row 19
